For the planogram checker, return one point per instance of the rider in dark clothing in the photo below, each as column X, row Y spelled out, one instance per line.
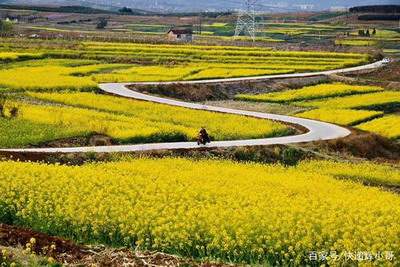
column 203, row 138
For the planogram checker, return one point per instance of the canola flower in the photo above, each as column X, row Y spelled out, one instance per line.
column 386, row 34
column 154, row 62
column 210, row 73
column 128, row 121
column 50, row 75
column 324, row 90
column 11, row 56
column 147, row 73
column 365, row 172
column 356, row 42
column 348, row 110
column 342, row 104
column 205, row 68
column 340, row 116
column 199, row 51
column 221, row 126
column 387, row 126
column 356, row 101
column 43, row 78
column 240, row 212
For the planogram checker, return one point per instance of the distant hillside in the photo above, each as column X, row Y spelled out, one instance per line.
column 378, row 12
column 389, row 9
column 61, row 9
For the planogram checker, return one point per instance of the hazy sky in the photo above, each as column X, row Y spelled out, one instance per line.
column 211, row 4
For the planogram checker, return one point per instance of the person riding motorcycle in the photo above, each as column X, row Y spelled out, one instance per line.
column 203, row 137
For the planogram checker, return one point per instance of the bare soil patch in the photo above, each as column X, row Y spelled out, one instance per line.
column 275, row 108
column 361, row 144
column 92, row 140
column 225, row 91
column 70, row 254
column 389, row 74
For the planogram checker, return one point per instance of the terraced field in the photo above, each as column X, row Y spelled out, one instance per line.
column 53, row 66
column 382, row 37
column 214, row 209
column 80, row 66
column 387, row 126
column 206, row 209
column 365, row 107
column 126, row 121
column 301, row 29
column 310, row 93
column 356, row 42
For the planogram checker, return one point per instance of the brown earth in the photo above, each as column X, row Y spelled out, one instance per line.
column 92, row 140
column 70, row 254
column 361, row 144
column 389, row 74
column 224, row 91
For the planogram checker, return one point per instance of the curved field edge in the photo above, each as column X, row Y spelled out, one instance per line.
column 215, row 209
column 146, row 62
column 368, row 108
column 126, row 121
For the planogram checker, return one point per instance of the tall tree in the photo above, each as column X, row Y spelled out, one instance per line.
column 5, row 26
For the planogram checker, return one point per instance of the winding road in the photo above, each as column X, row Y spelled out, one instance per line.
column 317, row 130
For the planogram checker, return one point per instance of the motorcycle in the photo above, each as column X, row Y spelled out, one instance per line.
column 203, row 140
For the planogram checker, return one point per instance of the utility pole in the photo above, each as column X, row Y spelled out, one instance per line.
column 246, row 22
column 200, row 24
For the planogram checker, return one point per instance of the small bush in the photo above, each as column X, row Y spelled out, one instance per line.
column 291, row 156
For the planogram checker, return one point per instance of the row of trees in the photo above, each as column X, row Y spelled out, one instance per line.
column 367, row 32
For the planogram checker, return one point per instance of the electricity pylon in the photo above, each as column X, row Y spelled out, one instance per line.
column 246, row 22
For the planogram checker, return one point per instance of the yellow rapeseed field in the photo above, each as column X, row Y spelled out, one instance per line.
column 356, row 42
column 365, row 172
column 342, row 104
column 151, row 62
column 138, row 121
column 388, row 126
column 43, row 78
column 340, row 116
column 312, row 92
column 146, row 73
column 48, row 75
column 357, row 101
column 209, row 208
column 8, row 56
column 346, row 110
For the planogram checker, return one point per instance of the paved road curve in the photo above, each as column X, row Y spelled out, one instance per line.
column 316, row 130
column 374, row 65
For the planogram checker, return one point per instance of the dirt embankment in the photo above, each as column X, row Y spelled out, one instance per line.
column 91, row 140
column 225, row 91
column 360, row 144
column 70, row 254
column 388, row 76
